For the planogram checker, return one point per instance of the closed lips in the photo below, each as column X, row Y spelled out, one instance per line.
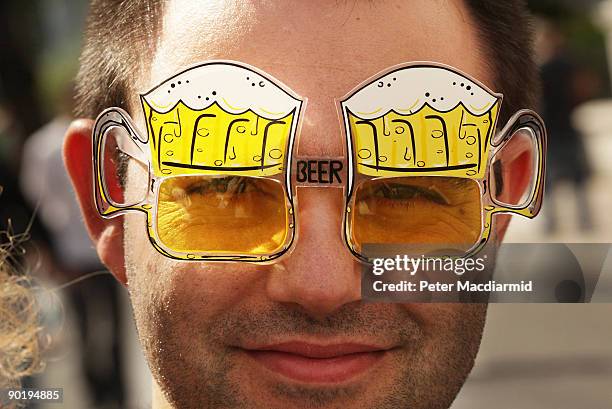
column 315, row 363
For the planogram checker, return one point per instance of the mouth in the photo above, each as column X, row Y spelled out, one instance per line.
column 316, row 363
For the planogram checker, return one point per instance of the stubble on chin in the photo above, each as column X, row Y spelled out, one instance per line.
column 196, row 368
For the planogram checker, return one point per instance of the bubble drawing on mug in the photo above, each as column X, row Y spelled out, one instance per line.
column 442, row 123
column 202, row 115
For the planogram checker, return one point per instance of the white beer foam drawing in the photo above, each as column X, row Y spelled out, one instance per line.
column 236, row 89
column 407, row 90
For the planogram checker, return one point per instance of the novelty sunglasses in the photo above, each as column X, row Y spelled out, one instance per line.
column 217, row 175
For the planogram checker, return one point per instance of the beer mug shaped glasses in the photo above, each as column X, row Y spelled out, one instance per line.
column 215, row 172
column 213, row 163
column 429, row 168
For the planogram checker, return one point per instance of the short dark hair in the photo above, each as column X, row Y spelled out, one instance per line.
column 121, row 35
column 505, row 30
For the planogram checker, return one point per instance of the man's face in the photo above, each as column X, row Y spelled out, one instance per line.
column 295, row 334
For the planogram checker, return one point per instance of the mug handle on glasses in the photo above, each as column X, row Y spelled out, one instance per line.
column 115, row 118
column 530, row 121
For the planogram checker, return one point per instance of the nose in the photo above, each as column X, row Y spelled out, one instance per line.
column 320, row 275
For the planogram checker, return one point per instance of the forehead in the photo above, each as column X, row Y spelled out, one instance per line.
column 320, row 49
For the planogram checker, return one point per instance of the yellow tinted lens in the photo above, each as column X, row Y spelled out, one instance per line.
column 426, row 211
column 222, row 215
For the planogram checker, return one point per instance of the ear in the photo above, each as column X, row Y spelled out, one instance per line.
column 106, row 234
column 517, row 169
column 513, row 169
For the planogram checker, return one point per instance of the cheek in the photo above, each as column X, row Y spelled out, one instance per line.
column 171, row 297
column 451, row 330
column 448, row 320
column 176, row 303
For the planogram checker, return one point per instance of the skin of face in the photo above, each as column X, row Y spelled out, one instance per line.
column 195, row 320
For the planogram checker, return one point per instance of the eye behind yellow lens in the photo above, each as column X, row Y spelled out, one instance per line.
column 417, row 210
column 227, row 215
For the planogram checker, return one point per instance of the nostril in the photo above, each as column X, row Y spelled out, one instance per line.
column 318, row 286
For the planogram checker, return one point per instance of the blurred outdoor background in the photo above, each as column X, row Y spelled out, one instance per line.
column 533, row 356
